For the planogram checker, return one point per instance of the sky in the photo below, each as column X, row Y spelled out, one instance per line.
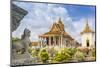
column 41, row 17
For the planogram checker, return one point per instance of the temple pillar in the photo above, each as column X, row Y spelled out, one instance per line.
column 61, row 41
column 45, row 43
column 64, row 42
column 49, row 41
column 54, row 41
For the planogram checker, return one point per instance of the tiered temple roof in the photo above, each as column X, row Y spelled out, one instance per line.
column 57, row 29
column 87, row 29
column 17, row 14
column 58, row 36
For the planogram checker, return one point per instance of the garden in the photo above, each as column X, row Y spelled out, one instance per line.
column 63, row 55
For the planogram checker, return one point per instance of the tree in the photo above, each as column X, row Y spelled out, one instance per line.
column 71, row 51
column 62, row 56
column 58, row 57
column 52, row 52
column 35, row 52
column 79, row 56
column 44, row 56
column 15, row 39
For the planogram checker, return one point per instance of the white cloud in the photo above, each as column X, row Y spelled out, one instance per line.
column 41, row 16
column 79, row 26
column 40, row 19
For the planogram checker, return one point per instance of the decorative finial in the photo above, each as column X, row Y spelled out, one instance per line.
column 58, row 19
column 87, row 25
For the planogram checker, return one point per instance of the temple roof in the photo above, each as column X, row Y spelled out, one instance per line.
column 57, row 29
column 17, row 14
column 87, row 29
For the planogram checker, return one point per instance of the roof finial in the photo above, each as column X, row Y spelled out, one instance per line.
column 87, row 25
column 59, row 20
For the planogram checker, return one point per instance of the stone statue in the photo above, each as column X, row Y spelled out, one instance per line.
column 20, row 52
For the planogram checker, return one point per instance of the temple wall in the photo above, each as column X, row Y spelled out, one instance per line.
column 88, row 36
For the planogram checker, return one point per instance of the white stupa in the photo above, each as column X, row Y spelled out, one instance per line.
column 87, row 36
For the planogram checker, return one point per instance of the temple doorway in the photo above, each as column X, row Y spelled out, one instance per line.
column 87, row 43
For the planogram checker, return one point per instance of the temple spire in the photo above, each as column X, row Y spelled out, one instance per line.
column 58, row 20
column 87, row 25
column 87, row 29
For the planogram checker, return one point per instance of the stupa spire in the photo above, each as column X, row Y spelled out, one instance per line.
column 87, row 28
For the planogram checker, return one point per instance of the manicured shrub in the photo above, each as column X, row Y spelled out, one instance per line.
column 44, row 56
column 79, row 56
column 71, row 51
column 52, row 52
column 35, row 52
column 62, row 56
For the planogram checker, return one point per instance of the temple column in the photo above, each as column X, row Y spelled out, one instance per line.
column 45, row 41
column 49, row 41
column 54, row 41
column 61, row 40
column 64, row 42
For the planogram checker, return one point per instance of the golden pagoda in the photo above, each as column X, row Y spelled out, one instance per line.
column 57, row 29
column 57, row 36
column 87, row 29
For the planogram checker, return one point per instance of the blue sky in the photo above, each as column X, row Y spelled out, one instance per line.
column 41, row 16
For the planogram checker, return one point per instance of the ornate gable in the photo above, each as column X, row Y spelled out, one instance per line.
column 57, row 29
column 54, row 28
